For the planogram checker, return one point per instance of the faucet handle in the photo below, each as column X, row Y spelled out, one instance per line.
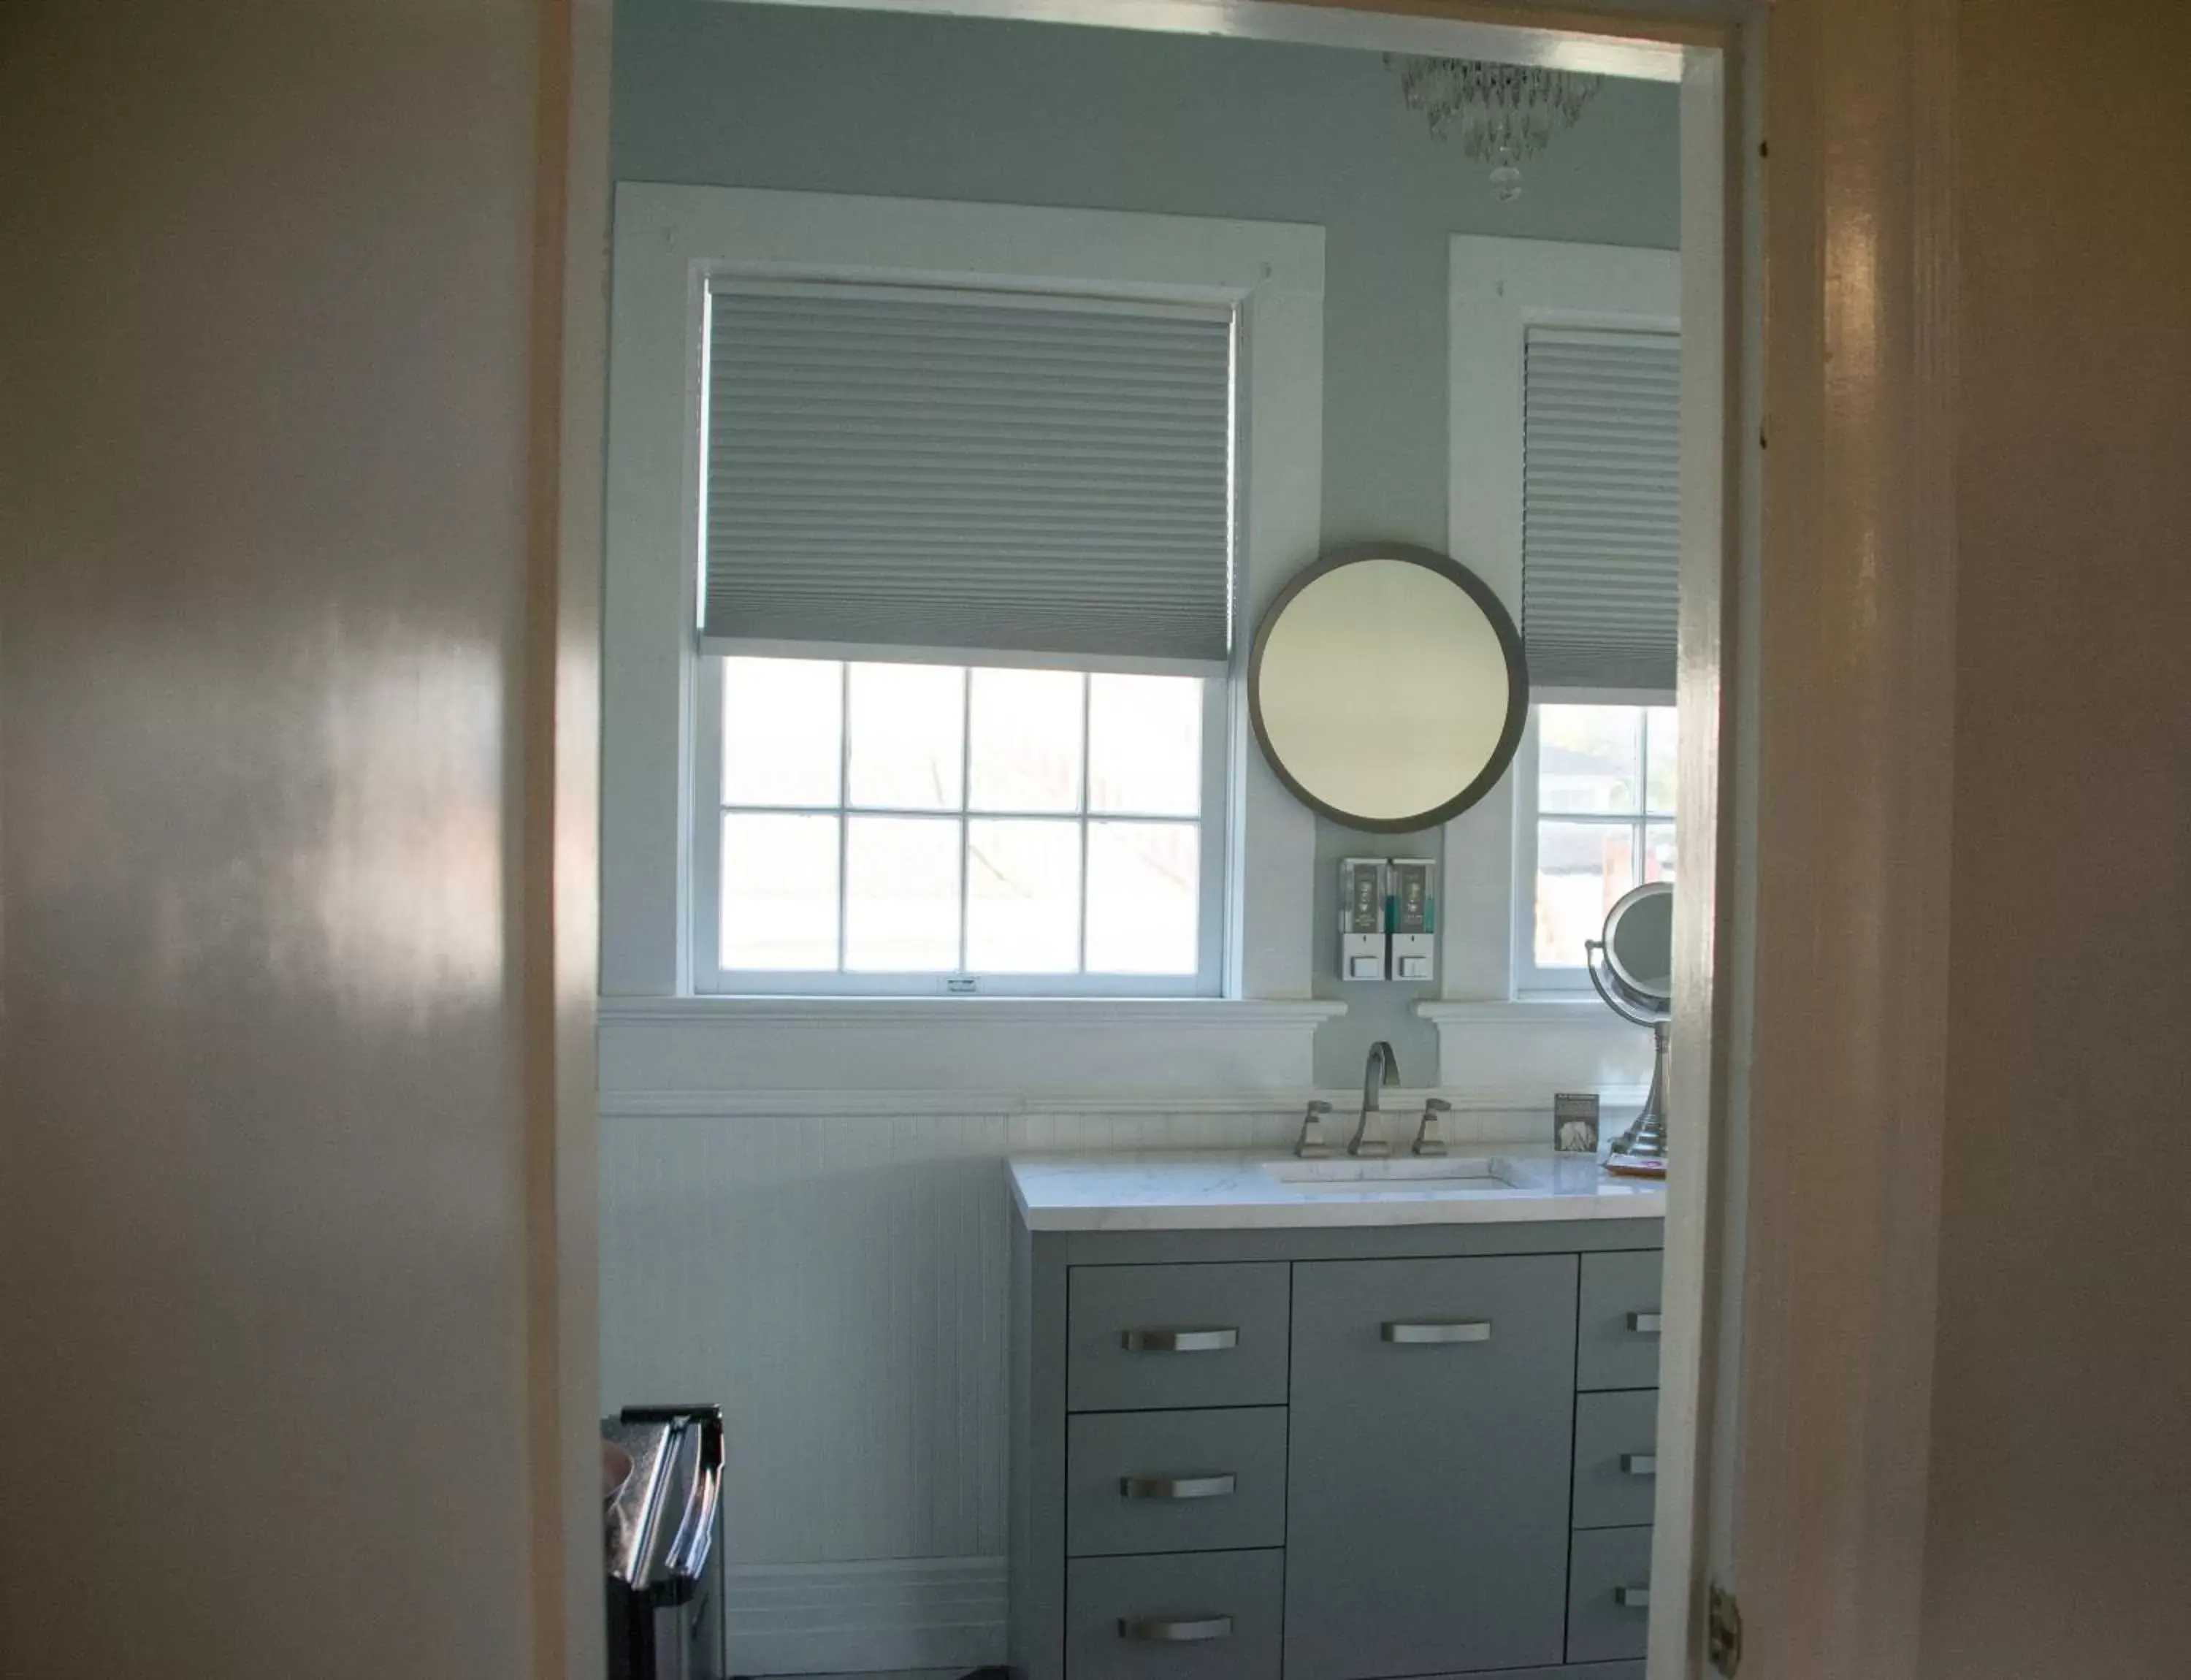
column 1427, row 1141
column 1312, row 1145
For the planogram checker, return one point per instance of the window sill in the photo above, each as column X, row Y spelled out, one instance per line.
column 1536, row 1009
column 929, row 1052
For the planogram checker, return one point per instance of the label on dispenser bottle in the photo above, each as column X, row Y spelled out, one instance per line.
column 1413, row 918
column 1362, row 919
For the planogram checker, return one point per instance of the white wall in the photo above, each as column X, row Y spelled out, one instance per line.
column 269, row 1191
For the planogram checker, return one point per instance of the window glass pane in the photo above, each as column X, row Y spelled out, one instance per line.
column 1142, row 886
column 779, row 893
column 781, row 719
column 1145, row 745
column 901, row 894
column 1023, row 896
column 1025, row 754
column 1663, row 733
column 1659, row 855
column 906, row 749
column 1589, row 758
column 1582, row 868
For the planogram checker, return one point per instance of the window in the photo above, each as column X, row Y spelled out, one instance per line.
column 1598, row 820
column 966, row 598
column 894, row 827
column 1207, row 335
column 1600, row 588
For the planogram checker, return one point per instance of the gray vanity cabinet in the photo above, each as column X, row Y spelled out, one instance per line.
column 1439, row 1395
column 1333, row 1454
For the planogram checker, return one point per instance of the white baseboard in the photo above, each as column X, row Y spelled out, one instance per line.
column 853, row 1617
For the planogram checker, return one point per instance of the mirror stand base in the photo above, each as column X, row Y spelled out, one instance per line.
column 1646, row 1139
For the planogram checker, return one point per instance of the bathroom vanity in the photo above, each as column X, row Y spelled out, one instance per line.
column 1332, row 1419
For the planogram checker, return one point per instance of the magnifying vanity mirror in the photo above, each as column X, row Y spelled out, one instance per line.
column 1387, row 687
column 1632, row 967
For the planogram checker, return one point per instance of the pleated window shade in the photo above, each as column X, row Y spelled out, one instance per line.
column 914, row 469
column 1600, row 508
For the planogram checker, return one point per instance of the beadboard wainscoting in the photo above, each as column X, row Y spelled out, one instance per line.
column 895, row 1617
column 830, row 1266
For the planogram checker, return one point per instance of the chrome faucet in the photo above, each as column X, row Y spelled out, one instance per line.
column 1380, row 1070
column 1428, row 1139
column 1310, row 1145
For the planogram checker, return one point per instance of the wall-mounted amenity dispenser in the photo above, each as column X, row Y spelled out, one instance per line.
column 1412, row 919
column 1362, row 918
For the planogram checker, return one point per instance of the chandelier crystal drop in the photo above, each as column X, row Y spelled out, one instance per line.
column 1502, row 112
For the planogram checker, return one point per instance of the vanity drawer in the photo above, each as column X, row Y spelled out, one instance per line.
column 1155, row 1338
column 1202, row 1481
column 1618, row 1343
column 1205, row 1615
column 1608, row 1594
column 1616, row 1458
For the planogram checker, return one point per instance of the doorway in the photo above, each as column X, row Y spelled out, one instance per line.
column 1711, row 775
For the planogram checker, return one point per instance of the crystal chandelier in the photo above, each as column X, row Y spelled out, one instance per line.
column 1502, row 112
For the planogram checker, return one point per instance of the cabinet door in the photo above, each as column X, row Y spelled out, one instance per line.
column 1616, row 1463
column 1202, row 1481
column 1426, row 1513
column 1200, row 1615
column 1154, row 1338
column 1609, row 1594
column 1618, row 1339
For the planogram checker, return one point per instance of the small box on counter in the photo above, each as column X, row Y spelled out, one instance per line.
column 1575, row 1122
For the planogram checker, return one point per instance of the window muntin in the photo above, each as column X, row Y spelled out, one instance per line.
column 1599, row 822
column 911, row 828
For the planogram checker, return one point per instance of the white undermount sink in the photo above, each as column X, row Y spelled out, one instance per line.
column 1447, row 1175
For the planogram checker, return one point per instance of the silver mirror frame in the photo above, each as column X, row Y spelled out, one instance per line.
column 1651, row 1000
column 1510, row 644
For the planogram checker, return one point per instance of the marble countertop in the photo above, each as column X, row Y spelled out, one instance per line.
column 1209, row 1192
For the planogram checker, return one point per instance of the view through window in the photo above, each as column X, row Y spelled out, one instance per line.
column 924, row 819
column 1604, row 818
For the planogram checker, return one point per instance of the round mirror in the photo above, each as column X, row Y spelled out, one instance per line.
column 1639, row 943
column 1632, row 965
column 1387, row 687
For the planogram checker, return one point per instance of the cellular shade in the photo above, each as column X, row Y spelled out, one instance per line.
column 1600, row 508
column 912, row 468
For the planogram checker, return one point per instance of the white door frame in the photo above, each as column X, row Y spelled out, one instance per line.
column 1816, row 626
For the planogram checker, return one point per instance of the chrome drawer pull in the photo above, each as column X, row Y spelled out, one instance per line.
column 1632, row 1597
column 1176, row 1630
column 1422, row 1332
column 1643, row 1324
column 1214, row 1486
column 1639, row 1464
column 1214, row 1339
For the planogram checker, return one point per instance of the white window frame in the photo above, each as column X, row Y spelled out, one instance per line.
column 669, row 241
column 1498, row 289
column 711, row 979
column 1532, row 979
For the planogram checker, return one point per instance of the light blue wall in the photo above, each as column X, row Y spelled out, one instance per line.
column 765, row 96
